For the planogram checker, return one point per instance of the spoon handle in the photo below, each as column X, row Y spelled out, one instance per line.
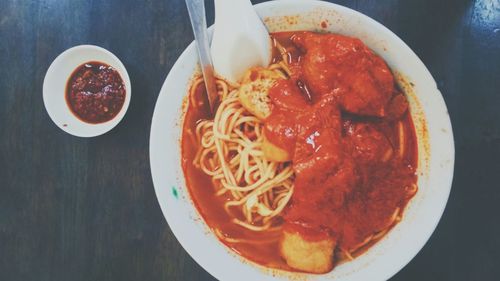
column 196, row 9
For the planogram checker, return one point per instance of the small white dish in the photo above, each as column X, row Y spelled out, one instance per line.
column 54, row 90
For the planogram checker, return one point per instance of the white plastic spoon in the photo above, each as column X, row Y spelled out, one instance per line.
column 240, row 39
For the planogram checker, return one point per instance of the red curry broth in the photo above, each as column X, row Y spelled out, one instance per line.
column 336, row 139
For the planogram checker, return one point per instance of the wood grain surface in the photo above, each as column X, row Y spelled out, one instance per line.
column 85, row 209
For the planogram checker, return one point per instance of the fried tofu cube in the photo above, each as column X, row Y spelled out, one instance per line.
column 274, row 153
column 304, row 255
column 254, row 91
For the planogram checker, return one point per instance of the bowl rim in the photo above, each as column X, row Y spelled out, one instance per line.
column 389, row 270
column 52, row 77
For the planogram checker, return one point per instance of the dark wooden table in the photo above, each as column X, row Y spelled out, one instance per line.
column 85, row 209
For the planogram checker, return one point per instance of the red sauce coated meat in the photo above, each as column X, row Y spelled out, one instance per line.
column 95, row 92
column 337, row 116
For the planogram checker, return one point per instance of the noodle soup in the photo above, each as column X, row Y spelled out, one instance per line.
column 187, row 218
column 303, row 158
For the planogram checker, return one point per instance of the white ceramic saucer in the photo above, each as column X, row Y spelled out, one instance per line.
column 54, row 87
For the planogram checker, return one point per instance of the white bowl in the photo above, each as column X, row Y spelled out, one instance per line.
column 54, row 88
column 435, row 144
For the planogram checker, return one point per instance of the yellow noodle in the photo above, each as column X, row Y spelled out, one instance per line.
column 230, row 152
